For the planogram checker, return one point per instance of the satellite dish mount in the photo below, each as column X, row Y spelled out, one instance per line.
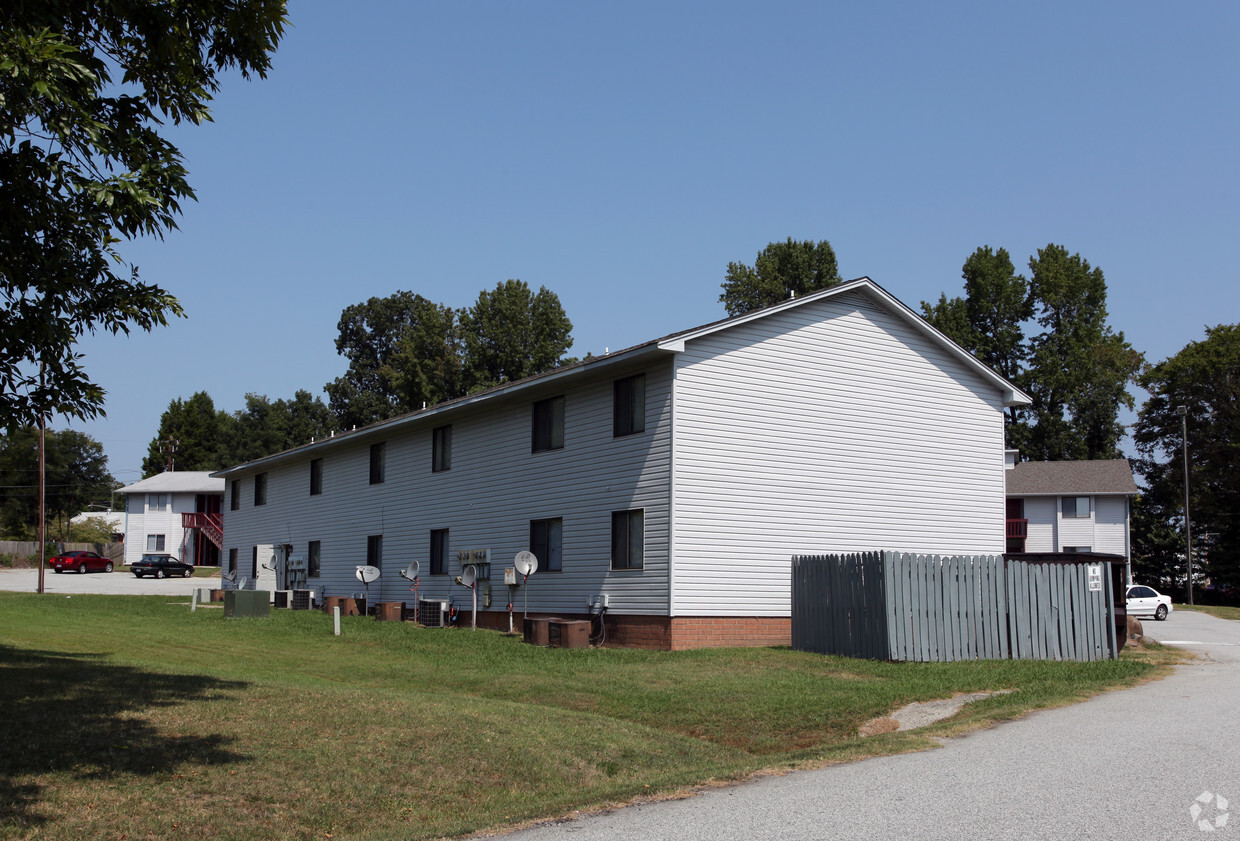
column 367, row 574
column 526, row 563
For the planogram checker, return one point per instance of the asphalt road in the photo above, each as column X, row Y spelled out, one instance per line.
column 1125, row 765
column 108, row 583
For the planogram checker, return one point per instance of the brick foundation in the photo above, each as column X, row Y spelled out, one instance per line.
column 666, row 633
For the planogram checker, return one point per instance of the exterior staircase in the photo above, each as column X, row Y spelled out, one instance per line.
column 211, row 525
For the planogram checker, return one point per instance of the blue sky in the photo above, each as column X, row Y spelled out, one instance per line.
column 621, row 154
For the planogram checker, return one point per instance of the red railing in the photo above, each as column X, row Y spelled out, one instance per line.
column 1018, row 528
column 212, row 525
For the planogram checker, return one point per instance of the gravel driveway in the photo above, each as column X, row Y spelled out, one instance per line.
column 116, row 583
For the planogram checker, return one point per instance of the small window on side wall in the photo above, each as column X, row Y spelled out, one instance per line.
column 234, row 495
column 546, row 542
column 260, row 489
column 316, row 476
column 628, row 539
column 1076, row 507
column 548, row 425
column 629, row 406
column 441, row 449
column 155, row 543
column 313, row 559
column 374, row 551
column 378, row 455
column 439, row 552
column 232, row 560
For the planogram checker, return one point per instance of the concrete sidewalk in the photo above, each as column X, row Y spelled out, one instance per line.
column 118, row 583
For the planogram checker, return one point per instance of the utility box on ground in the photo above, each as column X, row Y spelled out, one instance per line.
column 252, row 603
column 390, row 611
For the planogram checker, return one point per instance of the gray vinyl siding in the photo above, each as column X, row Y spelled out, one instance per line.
column 1043, row 530
column 495, row 486
column 1104, row 530
column 829, row 428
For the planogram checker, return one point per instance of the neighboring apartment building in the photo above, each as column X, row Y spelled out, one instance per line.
column 175, row 513
column 675, row 479
column 1069, row 506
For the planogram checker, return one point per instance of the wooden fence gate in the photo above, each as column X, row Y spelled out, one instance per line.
column 897, row 606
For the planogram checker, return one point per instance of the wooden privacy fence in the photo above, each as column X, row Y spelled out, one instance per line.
column 30, row 549
column 896, row 606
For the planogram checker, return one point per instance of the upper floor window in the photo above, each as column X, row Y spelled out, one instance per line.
column 628, row 539
column 546, row 542
column 157, row 502
column 548, row 424
column 260, row 489
column 234, row 495
column 316, row 476
column 441, row 448
column 378, row 455
column 1075, row 507
column 439, row 551
column 629, row 406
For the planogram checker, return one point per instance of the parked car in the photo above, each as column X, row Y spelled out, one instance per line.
column 1146, row 601
column 80, row 561
column 160, row 566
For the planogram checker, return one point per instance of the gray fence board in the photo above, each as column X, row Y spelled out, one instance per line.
column 895, row 606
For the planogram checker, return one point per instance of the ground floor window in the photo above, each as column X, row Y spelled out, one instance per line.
column 312, row 559
column 232, row 561
column 439, row 551
column 374, row 551
column 155, row 543
column 546, row 542
column 628, row 538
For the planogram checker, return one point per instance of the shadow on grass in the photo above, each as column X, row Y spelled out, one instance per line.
column 80, row 716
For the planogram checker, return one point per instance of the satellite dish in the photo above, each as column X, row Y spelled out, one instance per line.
column 469, row 574
column 410, row 572
column 526, row 563
column 231, row 575
column 367, row 574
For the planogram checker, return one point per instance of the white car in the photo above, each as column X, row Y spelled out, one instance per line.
column 1146, row 601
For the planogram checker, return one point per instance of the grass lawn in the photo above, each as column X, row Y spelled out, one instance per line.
column 129, row 717
column 1214, row 610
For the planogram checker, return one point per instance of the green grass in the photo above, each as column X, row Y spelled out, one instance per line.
column 1214, row 610
column 131, row 716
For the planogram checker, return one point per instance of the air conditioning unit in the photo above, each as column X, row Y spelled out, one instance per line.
column 433, row 613
column 302, row 600
column 281, row 598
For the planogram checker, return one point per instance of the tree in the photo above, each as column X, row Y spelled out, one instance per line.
column 1079, row 369
column 511, row 333
column 75, row 475
column 1203, row 377
column 1076, row 370
column 266, row 427
column 84, row 90
column 780, row 270
column 200, row 434
column 403, row 351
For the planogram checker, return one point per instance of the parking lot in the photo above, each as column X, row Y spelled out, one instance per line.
column 107, row 583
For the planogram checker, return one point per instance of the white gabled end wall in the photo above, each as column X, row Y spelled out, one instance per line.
column 832, row 427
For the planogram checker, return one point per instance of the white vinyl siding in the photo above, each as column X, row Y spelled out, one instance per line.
column 834, row 427
column 1105, row 530
column 1111, row 525
column 495, row 488
column 1043, row 516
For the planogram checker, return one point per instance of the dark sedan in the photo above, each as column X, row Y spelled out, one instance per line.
column 80, row 561
column 160, row 566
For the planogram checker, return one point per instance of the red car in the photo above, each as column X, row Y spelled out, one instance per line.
column 80, row 561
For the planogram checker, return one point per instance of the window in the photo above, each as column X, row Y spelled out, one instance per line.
column 157, row 502
column 312, row 559
column 1076, row 507
column 378, row 453
column 545, row 543
column 154, row 543
column 627, row 539
column 1076, row 549
column 234, row 501
column 439, row 551
column 548, row 423
column 232, row 560
column 254, row 564
column 260, row 489
column 374, row 551
column 441, row 449
column 316, row 476
column 629, row 406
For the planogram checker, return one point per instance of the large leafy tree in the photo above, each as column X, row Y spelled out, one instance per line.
column 1076, row 369
column 1204, row 378
column 268, row 426
column 781, row 270
column 76, row 475
column 512, row 332
column 403, row 351
column 193, row 435
column 85, row 88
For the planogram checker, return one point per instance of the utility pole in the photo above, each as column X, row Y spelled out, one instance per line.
column 170, row 448
column 1182, row 411
column 42, row 481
